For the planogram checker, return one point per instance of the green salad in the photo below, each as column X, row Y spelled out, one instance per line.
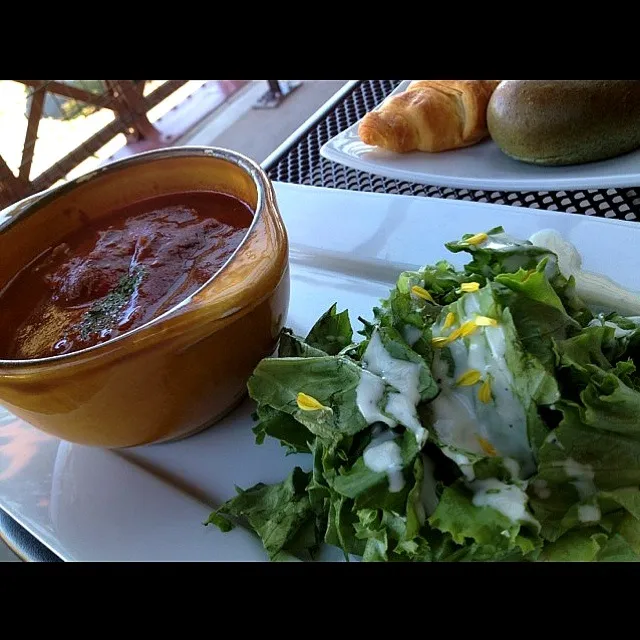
column 482, row 414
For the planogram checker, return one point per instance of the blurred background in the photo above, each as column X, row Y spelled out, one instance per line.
column 55, row 130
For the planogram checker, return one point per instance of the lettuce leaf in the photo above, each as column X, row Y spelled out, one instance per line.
column 575, row 546
column 283, row 427
column 533, row 284
column 546, row 467
column 332, row 332
column 331, row 380
column 280, row 514
column 441, row 280
column 483, row 525
column 582, row 470
column 370, row 489
column 396, row 535
column 510, row 421
column 501, row 253
column 589, row 545
column 609, row 404
column 410, row 316
column 537, row 311
column 397, row 348
column 292, row 346
column 577, row 353
column 617, row 549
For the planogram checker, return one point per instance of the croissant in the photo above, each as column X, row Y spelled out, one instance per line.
column 431, row 115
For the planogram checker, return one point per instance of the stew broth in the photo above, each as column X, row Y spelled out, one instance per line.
column 118, row 273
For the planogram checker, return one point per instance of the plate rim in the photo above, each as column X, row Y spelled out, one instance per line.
column 529, row 211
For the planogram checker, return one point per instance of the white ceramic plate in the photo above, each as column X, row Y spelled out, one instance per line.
column 482, row 166
column 148, row 503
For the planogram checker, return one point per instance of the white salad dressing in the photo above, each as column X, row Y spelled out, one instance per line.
column 541, row 488
column 618, row 332
column 582, row 476
column 459, row 417
column 383, row 455
column 510, row 500
column 369, row 393
column 411, row 334
column 453, row 414
column 588, row 513
column 402, row 375
column 552, row 438
column 499, row 241
column 493, row 245
column 463, row 462
column 403, row 409
column 591, row 287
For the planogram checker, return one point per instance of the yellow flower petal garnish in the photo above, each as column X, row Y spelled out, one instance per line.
column 487, row 447
column 479, row 238
column 422, row 293
column 308, row 403
column 484, row 394
column 468, row 328
column 450, row 320
column 440, row 342
column 469, row 287
column 469, row 378
column 465, row 330
column 484, row 321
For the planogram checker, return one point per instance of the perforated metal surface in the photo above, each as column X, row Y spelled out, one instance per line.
column 302, row 164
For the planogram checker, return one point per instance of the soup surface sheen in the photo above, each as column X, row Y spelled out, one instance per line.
column 119, row 272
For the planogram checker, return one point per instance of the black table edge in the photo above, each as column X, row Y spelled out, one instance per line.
column 25, row 545
column 273, row 158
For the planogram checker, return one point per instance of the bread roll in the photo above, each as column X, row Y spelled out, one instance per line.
column 565, row 122
column 431, row 116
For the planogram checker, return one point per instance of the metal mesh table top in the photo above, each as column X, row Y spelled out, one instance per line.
column 301, row 163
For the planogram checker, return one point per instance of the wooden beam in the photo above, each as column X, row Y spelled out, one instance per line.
column 139, row 87
column 95, row 142
column 10, row 185
column 131, row 110
column 162, row 92
column 30, row 138
column 100, row 100
column 61, row 168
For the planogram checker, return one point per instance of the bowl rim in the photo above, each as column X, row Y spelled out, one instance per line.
column 31, row 204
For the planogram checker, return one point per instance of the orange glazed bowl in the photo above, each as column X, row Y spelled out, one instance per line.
column 183, row 370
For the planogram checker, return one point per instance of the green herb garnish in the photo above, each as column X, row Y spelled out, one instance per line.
column 104, row 313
